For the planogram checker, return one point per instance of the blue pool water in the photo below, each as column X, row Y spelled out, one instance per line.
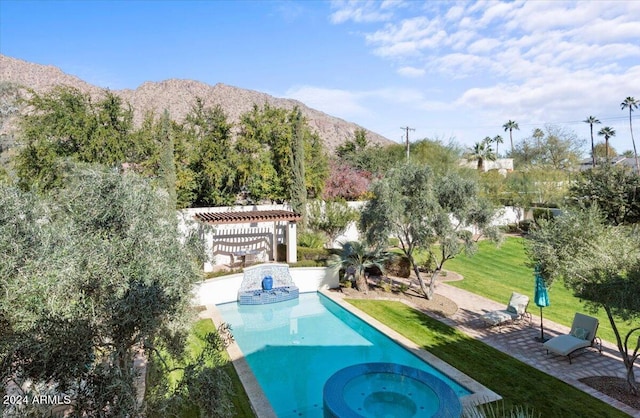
column 293, row 347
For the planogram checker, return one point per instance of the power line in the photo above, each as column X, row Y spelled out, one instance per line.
column 538, row 124
column 407, row 129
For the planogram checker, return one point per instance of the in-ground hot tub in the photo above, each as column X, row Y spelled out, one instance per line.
column 388, row 390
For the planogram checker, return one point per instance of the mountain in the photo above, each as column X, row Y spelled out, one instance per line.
column 177, row 96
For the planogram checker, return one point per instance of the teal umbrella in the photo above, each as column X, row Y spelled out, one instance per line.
column 541, row 298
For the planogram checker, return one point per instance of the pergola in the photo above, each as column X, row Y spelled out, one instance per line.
column 260, row 216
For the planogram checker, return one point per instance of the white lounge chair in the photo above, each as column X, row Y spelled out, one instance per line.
column 515, row 312
column 582, row 335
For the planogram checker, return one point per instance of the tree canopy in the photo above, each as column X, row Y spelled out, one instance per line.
column 271, row 155
column 614, row 190
column 65, row 123
column 421, row 209
column 600, row 263
column 554, row 147
column 92, row 274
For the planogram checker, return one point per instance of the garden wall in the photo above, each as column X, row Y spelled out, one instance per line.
column 225, row 289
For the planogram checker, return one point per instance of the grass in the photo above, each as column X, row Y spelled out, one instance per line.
column 241, row 404
column 494, row 272
column 518, row 383
column 195, row 345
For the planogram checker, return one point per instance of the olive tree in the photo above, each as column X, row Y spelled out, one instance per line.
column 600, row 263
column 615, row 190
column 443, row 216
column 92, row 276
column 331, row 218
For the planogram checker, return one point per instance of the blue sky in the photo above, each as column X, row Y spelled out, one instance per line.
column 448, row 69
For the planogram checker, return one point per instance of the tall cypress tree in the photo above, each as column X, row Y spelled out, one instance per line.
column 298, row 187
column 167, row 169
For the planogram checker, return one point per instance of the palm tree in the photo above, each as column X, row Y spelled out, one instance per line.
column 355, row 257
column 497, row 140
column 538, row 134
column 481, row 152
column 607, row 132
column 632, row 104
column 591, row 120
column 510, row 126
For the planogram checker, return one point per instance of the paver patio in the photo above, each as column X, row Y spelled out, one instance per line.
column 519, row 342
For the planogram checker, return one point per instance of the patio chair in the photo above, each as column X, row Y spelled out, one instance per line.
column 515, row 312
column 582, row 336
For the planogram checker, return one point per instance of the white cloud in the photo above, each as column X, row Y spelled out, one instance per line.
column 483, row 46
column 407, row 38
column 532, row 61
column 562, row 97
column 495, row 11
column 361, row 11
column 336, row 102
column 411, row 72
column 461, row 65
column 454, row 13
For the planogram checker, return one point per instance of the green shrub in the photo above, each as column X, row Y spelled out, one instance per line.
column 220, row 273
column 525, row 225
column 346, row 283
column 385, row 286
column 394, row 242
column 398, row 266
column 499, row 410
column 402, row 287
column 542, row 213
column 308, row 263
column 310, row 239
column 510, row 229
column 315, row 254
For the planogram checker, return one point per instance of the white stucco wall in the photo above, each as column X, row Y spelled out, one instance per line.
column 352, row 233
column 259, row 236
column 225, row 289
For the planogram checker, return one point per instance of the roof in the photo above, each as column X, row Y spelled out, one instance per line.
column 617, row 160
column 252, row 216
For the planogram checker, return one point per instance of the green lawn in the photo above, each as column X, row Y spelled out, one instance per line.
column 494, row 272
column 242, row 406
column 195, row 345
column 518, row 383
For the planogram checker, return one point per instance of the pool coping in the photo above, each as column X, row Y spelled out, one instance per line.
column 261, row 405
column 480, row 394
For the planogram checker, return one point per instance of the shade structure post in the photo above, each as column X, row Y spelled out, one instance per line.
column 274, row 246
column 292, row 243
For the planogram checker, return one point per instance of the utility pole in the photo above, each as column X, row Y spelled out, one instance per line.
column 407, row 129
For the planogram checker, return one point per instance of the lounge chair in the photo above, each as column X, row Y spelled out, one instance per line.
column 582, row 335
column 515, row 312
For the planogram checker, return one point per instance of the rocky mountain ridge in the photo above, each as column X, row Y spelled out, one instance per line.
column 177, row 96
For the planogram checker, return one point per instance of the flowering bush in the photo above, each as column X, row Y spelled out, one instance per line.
column 346, row 182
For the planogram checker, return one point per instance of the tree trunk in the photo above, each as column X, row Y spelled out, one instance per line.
column 631, row 380
column 427, row 291
column 635, row 153
column 593, row 149
column 361, row 283
column 624, row 352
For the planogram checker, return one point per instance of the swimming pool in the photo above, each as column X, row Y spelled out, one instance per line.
column 294, row 347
